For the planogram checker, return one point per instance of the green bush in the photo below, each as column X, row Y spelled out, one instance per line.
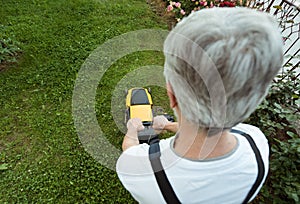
column 278, row 117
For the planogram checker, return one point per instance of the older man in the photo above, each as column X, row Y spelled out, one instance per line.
column 219, row 64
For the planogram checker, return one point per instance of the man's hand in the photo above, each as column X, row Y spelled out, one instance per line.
column 134, row 125
column 161, row 123
column 131, row 138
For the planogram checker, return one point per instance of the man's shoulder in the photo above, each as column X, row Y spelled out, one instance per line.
column 251, row 130
column 142, row 149
column 132, row 159
column 257, row 135
column 135, row 160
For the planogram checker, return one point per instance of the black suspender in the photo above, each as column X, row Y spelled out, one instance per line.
column 160, row 175
column 260, row 165
column 166, row 188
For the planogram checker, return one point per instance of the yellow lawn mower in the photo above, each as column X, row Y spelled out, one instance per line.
column 139, row 104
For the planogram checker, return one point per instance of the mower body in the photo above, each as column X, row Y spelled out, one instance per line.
column 139, row 105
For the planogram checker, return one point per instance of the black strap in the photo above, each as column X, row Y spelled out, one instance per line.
column 260, row 165
column 160, row 175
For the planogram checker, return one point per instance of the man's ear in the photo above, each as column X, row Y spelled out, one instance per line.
column 172, row 97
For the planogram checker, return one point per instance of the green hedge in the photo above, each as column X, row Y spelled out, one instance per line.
column 279, row 118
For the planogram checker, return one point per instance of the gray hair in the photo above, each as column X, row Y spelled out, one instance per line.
column 220, row 63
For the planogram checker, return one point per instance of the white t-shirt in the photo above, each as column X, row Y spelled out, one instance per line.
column 225, row 179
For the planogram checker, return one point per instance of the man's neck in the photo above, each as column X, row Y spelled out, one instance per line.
column 193, row 143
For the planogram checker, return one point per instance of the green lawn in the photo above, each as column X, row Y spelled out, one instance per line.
column 41, row 157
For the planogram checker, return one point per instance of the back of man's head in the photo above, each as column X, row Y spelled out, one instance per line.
column 220, row 63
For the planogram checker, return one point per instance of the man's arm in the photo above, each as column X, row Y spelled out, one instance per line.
column 134, row 125
column 131, row 138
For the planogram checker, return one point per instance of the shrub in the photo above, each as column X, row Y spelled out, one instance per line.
column 278, row 117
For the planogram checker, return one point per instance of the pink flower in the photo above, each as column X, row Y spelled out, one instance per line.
column 182, row 12
column 169, row 8
column 229, row 4
column 177, row 4
column 203, row 3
